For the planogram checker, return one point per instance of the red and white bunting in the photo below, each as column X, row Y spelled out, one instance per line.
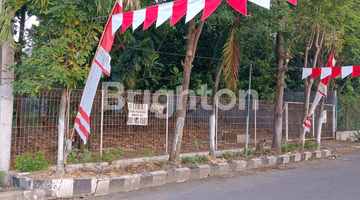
column 332, row 72
column 307, row 124
column 176, row 10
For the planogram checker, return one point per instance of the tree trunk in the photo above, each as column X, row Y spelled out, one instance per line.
column 20, row 121
column 308, row 84
column 193, row 38
column 61, row 131
column 212, row 115
column 279, row 96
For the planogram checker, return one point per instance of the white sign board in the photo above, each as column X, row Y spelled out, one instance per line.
column 138, row 114
column 324, row 117
column 157, row 108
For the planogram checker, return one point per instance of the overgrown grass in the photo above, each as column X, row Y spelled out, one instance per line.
column 164, row 163
column 2, row 174
column 227, row 155
column 196, row 160
column 268, row 150
column 291, row 146
column 148, row 152
column 30, row 162
column 310, row 145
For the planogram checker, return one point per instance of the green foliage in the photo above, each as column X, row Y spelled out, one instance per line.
column 196, row 142
column 119, row 150
column 63, row 42
column 2, row 175
column 72, row 156
column 164, row 163
column 148, row 152
column 227, row 155
column 86, row 156
column 251, row 151
column 241, row 153
column 108, row 157
column 290, row 146
column 128, row 154
column 31, row 163
column 195, row 160
column 310, row 145
column 356, row 136
column 268, row 150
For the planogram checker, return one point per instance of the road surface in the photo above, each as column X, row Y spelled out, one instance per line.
column 317, row 179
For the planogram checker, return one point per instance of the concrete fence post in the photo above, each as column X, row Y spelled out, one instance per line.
column 6, row 105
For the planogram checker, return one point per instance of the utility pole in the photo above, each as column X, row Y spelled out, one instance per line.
column 6, row 104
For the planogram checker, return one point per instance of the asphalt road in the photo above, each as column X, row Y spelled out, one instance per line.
column 317, row 179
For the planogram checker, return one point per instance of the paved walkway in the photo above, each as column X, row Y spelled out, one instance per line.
column 317, row 179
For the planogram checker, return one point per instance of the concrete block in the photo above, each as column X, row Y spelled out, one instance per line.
column 194, row 172
column 308, row 155
column 318, row 154
column 292, row 158
column 313, row 155
column 102, row 187
column 172, row 176
column 249, row 164
column 132, row 182
column 269, row 161
column 223, row 168
column 116, row 184
column 14, row 195
column 45, row 185
column 28, row 195
column 286, row 159
column 297, row 157
column 39, row 194
column 303, row 156
column 82, row 186
column 184, row 174
column 22, row 182
column 257, row 162
column 63, row 187
column 279, row 160
column 327, row 153
column 159, row 178
column 204, row 171
column 214, row 170
column 323, row 154
column 146, row 180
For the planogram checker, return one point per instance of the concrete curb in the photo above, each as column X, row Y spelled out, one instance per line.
column 68, row 187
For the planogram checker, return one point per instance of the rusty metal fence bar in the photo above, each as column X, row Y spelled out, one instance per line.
column 35, row 123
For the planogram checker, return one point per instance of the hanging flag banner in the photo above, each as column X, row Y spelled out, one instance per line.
column 327, row 72
column 322, row 88
column 138, row 114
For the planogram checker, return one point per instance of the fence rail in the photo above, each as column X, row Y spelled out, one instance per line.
column 36, row 117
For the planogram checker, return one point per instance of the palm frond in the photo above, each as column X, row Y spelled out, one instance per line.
column 230, row 59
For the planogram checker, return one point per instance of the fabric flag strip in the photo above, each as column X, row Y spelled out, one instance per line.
column 239, row 5
column 326, row 73
column 151, row 15
column 262, row 3
column 101, row 64
column 193, row 8
column 210, row 7
column 179, row 10
column 322, row 90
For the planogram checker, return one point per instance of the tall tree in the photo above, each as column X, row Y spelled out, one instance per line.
column 193, row 37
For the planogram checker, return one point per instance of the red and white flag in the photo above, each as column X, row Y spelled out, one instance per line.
column 325, row 74
column 101, row 64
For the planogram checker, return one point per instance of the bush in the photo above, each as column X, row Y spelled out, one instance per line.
column 227, row 155
column 268, row 150
column 2, row 174
column 196, row 160
column 310, row 145
column 31, row 163
column 286, row 147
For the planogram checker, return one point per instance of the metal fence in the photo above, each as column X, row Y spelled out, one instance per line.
column 36, row 117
